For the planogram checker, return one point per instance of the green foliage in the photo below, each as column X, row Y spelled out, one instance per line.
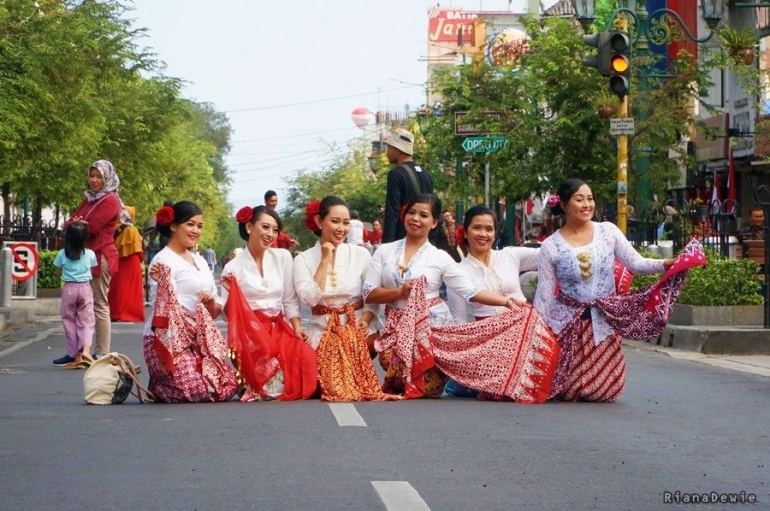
column 720, row 282
column 743, row 38
column 46, row 271
column 60, row 110
column 347, row 177
column 550, row 99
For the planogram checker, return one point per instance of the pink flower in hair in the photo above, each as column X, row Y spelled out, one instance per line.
column 553, row 201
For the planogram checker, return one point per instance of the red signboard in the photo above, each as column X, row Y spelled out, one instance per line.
column 444, row 25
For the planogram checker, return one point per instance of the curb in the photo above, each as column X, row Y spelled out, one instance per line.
column 753, row 364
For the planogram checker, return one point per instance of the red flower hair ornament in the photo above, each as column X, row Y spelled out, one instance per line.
column 312, row 210
column 244, row 215
column 164, row 216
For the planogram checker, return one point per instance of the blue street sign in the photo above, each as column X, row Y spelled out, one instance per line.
column 484, row 144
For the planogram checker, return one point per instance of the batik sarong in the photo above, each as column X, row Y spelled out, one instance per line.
column 512, row 354
column 594, row 370
column 186, row 355
column 345, row 368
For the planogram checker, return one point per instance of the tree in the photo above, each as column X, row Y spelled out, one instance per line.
column 75, row 87
column 549, row 98
column 347, row 177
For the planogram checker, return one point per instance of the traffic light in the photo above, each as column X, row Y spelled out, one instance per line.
column 619, row 63
column 601, row 61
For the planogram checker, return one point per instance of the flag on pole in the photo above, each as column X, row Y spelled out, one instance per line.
column 716, row 196
column 732, row 187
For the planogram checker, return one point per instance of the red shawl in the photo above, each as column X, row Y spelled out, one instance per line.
column 256, row 339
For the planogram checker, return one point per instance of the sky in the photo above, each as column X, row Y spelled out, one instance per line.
column 289, row 73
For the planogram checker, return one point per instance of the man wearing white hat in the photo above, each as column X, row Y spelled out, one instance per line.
column 405, row 180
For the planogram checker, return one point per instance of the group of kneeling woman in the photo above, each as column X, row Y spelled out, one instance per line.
column 485, row 341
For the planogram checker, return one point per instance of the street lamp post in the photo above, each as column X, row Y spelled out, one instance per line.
column 661, row 26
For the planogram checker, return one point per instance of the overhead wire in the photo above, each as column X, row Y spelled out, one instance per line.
column 314, row 101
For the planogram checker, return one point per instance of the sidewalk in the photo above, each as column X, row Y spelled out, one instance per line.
column 23, row 312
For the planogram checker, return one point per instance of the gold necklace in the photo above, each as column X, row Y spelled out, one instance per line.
column 584, row 263
column 333, row 277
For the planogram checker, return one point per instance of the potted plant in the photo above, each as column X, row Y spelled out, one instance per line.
column 606, row 105
column 740, row 44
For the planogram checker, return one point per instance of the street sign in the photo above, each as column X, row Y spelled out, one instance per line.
column 623, row 126
column 484, row 144
column 463, row 128
column 25, row 261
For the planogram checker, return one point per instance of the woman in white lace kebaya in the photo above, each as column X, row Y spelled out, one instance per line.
column 328, row 278
column 577, row 267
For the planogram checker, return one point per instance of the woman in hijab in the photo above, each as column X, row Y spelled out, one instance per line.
column 101, row 210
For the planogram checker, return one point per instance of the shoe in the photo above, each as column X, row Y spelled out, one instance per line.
column 66, row 359
column 96, row 356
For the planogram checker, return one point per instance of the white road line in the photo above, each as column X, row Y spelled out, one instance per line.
column 38, row 337
column 399, row 496
column 346, row 414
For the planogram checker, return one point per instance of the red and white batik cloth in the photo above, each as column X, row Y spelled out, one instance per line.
column 513, row 353
column 591, row 371
column 186, row 355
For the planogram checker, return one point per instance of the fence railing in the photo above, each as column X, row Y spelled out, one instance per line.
column 20, row 228
column 675, row 223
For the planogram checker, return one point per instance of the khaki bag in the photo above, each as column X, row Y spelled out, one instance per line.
column 111, row 379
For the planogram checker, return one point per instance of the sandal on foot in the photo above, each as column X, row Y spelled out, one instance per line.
column 80, row 362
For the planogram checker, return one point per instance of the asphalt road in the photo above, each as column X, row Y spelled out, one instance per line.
column 679, row 427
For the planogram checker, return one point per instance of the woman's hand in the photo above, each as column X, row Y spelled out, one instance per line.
column 155, row 272
column 363, row 325
column 225, row 281
column 205, row 296
column 512, row 303
column 209, row 301
column 667, row 264
column 299, row 332
column 327, row 251
column 406, row 288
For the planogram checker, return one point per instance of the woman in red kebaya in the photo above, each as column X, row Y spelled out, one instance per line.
column 101, row 209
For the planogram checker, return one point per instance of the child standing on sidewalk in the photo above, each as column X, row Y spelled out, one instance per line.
column 74, row 263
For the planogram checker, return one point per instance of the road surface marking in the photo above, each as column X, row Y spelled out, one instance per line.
column 38, row 337
column 346, row 414
column 399, row 496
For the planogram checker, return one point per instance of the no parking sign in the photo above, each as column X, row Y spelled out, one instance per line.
column 25, row 260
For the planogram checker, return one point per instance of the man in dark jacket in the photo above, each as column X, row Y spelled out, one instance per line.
column 405, row 180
